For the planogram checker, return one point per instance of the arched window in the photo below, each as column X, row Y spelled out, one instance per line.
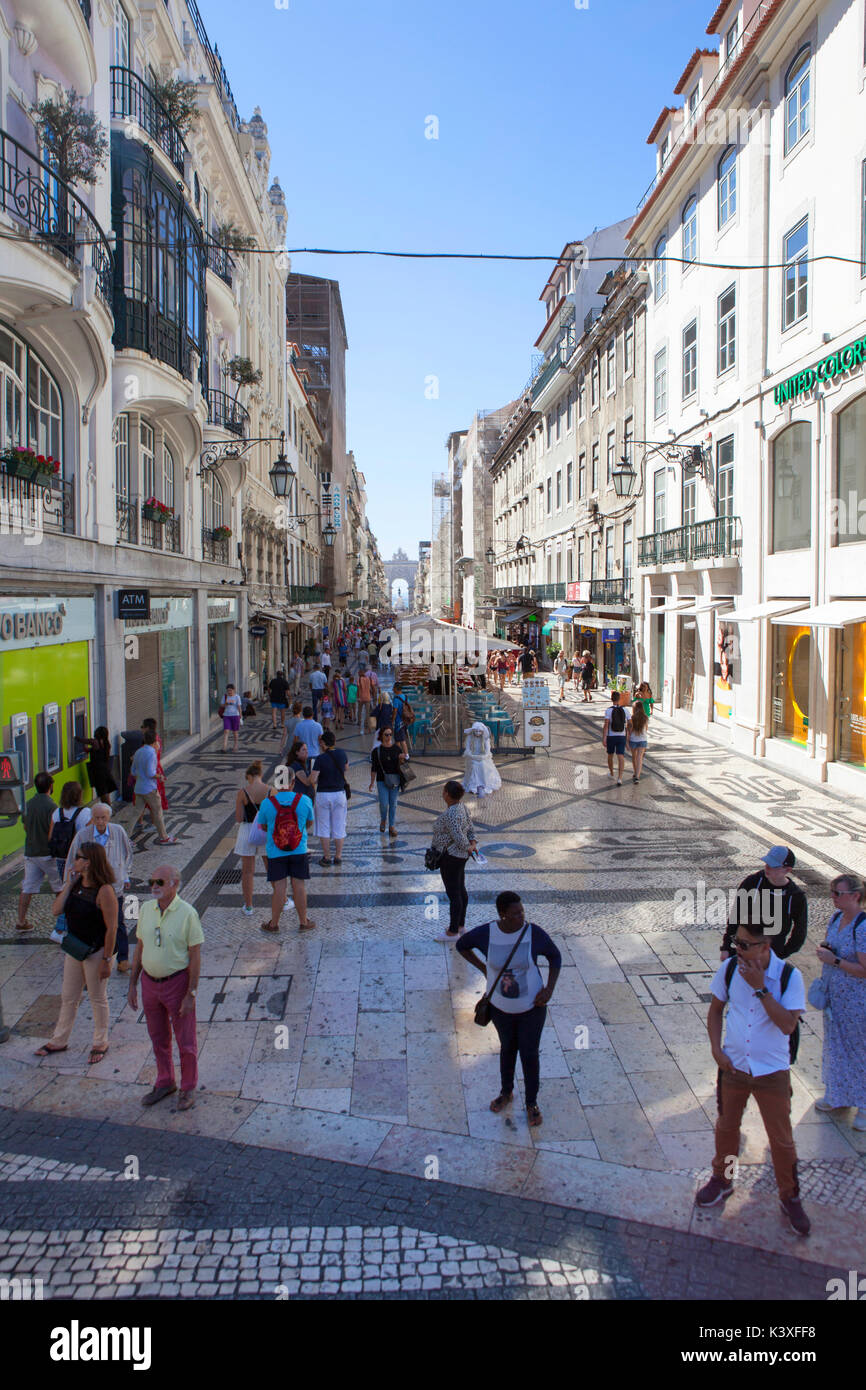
column 31, row 407
column 727, row 185
column 690, row 230
column 167, row 476
column 212, row 502
column 661, row 267
column 850, row 471
column 791, row 488
column 797, row 98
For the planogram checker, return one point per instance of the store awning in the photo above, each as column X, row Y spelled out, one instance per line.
column 839, row 613
column 673, row 605
column 564, row 614
column 706, row 605
column 598, row 623
column 518, row 617
column 769, row 609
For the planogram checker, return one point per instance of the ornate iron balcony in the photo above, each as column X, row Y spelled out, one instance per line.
column 33, row 196
column 616, row 592
column 220, row 262
column 132, row 98
column 29, row 509
column 214, row 548
column 227, row 413
column 702, row 540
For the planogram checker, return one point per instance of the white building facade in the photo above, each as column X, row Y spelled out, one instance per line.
column 753, row 553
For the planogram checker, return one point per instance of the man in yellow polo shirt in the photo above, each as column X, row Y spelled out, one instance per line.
column 168, row 959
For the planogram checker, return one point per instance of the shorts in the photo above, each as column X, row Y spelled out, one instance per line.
column 275, row 704
column 616, row 743
column 331, row 810
column 288, row 866
column 231, row 722
column 638, row 742
column 37, row 868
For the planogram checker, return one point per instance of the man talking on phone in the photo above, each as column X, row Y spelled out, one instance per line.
column 765, row 997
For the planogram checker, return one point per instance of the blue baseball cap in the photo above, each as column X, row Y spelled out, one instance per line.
column 779, row 857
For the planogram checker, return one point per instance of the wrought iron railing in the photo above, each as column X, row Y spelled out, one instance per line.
column 161, row 535
column 703, row 540
column 28, row 508
column 215, row 63
column 610, row 591
column 546, row 374
column 126, row 512
column 691, row 125
column 306, row 593
column 220, row 262
column 214, row 548
column 34, row 197
column 227, row 413
column 535, row 593
column 132, row 98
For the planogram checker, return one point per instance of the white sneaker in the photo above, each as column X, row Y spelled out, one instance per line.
column 247, row 911
column 56, row 936
column 860, row 1120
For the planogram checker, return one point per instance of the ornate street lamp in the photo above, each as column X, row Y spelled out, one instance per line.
column 329, row 533
column 623, row 476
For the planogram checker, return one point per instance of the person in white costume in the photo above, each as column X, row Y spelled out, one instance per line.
column 481, row 778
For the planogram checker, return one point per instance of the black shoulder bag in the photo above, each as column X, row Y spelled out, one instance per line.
column 482, row 1008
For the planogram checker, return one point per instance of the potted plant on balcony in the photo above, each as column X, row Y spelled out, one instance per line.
column 241, row 371
column 222, row 533
column 154, row 510
column 74, row 140
column 20, row 462
column 178, row 99
column 231, row 238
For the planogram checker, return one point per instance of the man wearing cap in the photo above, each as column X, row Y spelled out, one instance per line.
column 769, row 897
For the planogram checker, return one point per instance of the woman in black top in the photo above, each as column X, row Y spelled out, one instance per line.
column 99, row 763
column 90, row 904
column 299, row 763
column 385, row 773
column 331, row 800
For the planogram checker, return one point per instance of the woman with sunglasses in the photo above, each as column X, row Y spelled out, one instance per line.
column 843, row 956
column 90, row 904
column 385, row 763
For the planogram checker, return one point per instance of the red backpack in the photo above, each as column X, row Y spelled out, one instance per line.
column 287, row 834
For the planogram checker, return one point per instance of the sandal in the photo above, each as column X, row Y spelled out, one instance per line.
column 325, row 863
column 336, row 862
column 501, row 1100
column 46, row 1050
column 534, row 1115
column 96, row 1055
column 23, row 926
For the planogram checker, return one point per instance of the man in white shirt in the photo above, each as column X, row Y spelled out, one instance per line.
column 318, row 682
column 763, row 1011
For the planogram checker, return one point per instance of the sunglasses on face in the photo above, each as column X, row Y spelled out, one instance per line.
column 841, row 892
column 157, row 882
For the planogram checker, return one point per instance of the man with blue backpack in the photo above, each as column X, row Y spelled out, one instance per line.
column 765, row 997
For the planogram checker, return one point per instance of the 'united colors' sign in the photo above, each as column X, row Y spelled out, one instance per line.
column 845, row 360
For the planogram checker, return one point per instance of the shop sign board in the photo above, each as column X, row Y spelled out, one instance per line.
column 44, row 622
column 536, row 727
column 133, row 603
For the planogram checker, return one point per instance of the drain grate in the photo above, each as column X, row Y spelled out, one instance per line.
column 225, row 876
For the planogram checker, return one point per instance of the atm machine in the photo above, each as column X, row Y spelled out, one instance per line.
column 52, row 739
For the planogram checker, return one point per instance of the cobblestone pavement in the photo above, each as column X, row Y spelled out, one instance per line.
column 356, row 1043
column 181, row 1216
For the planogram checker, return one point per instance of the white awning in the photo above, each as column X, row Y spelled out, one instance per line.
column 598, row 623
column 765, row 610
column 706, row 605
column 672, row 605
column 836, row 614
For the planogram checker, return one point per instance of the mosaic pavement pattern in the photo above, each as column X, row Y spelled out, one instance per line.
column 357, row 1042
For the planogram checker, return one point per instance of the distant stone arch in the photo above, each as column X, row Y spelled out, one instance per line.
column 401, row 567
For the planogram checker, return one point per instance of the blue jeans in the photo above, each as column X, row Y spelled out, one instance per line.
column 316, row 696
column 387, row 802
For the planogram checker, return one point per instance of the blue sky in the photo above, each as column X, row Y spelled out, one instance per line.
column 543, row 114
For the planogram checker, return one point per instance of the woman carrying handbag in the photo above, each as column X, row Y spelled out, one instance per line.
column 516, row 997
column 843, row 982
column 453, row 842
column 385, row 763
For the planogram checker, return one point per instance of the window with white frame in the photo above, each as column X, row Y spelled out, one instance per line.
column 609, row 572
column 144, row 464
column 727, row 330
column 627, row 548
column 579, row 561
column 727, row 186
column 660, row 382
column 581, row 477
column 594, row 479
column 797, row 98
column 628, row 440
column 628, row 346
column 690, row 497
column 569, row 483
column 569, row 410
column 665, row 150
column 659, row 499
column 549, row 495
column 611, row 365
column 694, row 102
column 121, row 37
column 147, row 458
column 581, row 396
column 559, row 409
column 690, row 359
column 32, row 407
column 795, row 288
column 661, row 267
column 213, row 503
column 595, row 381
column 611, row 455
column 725, row 476
column 559, row 489
column 732, row 40
column 549, row 427
column 690, row 230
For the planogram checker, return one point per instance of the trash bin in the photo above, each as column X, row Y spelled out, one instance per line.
column 130, row 742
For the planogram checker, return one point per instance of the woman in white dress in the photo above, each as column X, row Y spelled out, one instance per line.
column 482, row 778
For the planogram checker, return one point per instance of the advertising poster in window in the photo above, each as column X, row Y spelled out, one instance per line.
column 725, row 671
